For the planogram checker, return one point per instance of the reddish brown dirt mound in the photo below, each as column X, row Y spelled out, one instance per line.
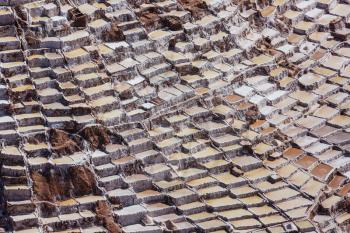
column 53, row 185
column 82, row 180
column 150, row 20
column 104, row 215
column 96, row 135
column 50, row 185
column 198, row 8
column 62, row 144
column 41, row 187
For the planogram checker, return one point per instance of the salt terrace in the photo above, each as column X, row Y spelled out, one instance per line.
column 149, row 116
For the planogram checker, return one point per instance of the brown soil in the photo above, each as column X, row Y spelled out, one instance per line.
column 172, row 23
column 22, row 16
column 104, row 215
column 54, row 185
column 78, row 19
column 34, row 140
column 50, row 185
column 113, row 34
column 62, row 144
column 198, row 8
column 150, row 20
column 96, row 135
column 41, row 187
column 32, row 40
column 82, row 180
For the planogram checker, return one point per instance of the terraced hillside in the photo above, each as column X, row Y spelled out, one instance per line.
column 150, row 116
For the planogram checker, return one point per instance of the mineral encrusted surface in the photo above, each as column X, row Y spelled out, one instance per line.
column 179, row 116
